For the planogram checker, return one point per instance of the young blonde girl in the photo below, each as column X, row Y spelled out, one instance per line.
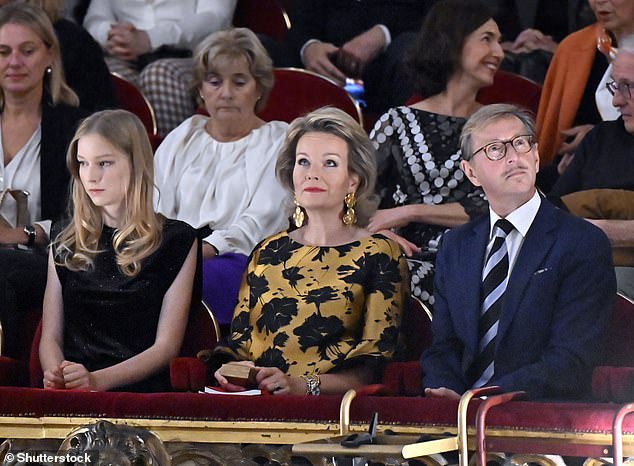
column 120, row 277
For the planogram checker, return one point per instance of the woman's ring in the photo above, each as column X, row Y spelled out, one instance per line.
column 276, row 387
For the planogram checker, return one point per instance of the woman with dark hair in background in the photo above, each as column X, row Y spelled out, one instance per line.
column 423, row 190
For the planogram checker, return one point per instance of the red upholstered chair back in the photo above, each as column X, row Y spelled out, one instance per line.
column 512, row 88
column 506, row 88
column 202, row 332
column 263, row 17
column 415, row 335
column 132, row 99
column 619, row 343
column 36, row 375
column 297, row 92
column 404, row 375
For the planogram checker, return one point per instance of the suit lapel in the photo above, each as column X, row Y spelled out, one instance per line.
column 536, row 246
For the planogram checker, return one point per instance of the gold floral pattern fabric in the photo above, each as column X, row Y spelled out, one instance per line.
column 311, row 309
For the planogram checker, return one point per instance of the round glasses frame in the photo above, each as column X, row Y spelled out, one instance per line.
column 496, row 150
column 625, row 89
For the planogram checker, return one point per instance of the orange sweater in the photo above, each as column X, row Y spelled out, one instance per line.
column 563, row 89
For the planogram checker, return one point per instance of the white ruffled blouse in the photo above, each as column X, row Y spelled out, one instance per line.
column 229, row 186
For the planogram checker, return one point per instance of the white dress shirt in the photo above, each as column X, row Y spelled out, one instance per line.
column 522, row 219
column 229, row 186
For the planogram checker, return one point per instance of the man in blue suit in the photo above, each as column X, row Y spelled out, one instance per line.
column 523, row 295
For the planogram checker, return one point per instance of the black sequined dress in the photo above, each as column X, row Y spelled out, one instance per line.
column 110, row 317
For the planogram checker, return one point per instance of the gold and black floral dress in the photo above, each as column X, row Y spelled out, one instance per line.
column 311, row 309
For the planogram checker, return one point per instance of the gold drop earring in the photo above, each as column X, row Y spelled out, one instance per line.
column 298, row 215
column 350, row 216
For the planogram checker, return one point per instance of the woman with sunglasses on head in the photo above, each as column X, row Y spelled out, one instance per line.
column 422, row 187
column 217, row 172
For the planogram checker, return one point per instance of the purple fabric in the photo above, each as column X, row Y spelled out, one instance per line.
column 221, row 281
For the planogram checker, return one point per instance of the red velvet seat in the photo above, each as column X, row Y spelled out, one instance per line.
column 520, row 426
column 506, row 88
column 15, row 370
column 613, row 379
column 402, row 377
column 512, row 88
column 132, row 99
column 297, row 92
column 202, row 332
column 263, row 17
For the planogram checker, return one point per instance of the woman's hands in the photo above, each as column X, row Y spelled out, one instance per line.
column 70, row 375
column 54, row 378
column 270, row 379
column 278, row 383
column 384, row 219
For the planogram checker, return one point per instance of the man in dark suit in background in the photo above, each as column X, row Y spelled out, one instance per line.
column 523, row 295
column 357, row 39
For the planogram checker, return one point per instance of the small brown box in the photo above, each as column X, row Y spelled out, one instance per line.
column 239, row 374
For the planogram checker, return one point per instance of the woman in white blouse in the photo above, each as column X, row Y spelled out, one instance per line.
column 38, row 116
column 217, row 173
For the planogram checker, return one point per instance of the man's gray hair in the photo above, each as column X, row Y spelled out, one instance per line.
column 489, row 114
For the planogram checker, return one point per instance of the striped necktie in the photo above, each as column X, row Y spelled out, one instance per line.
column 494, row 279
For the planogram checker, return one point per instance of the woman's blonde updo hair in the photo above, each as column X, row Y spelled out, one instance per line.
column 222, row 46
column 140, row 232
column 361, row 154
column 34, row 18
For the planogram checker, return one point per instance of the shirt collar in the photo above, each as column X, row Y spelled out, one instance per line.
column 521, row 218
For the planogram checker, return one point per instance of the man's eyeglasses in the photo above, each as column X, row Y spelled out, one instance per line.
column 622, row 88
column 496, row 150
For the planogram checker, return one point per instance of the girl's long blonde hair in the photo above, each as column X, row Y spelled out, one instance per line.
column 140, row 231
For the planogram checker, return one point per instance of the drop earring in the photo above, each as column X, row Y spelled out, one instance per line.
column 350, row 216
column 298, row 215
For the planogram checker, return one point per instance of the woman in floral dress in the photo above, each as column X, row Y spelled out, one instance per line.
column 422, row 188
column 320, row 306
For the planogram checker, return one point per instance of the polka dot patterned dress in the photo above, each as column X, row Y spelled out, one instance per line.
column 419, row 163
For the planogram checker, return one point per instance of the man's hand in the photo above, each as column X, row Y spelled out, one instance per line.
column 127, row 42
column 358, row 52
column 533, row 39
column 442, row 392
column 572, row 138
column 318, row 57
column 564, row 163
